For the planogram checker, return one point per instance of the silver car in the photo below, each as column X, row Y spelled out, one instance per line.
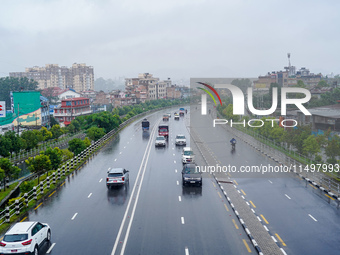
column 181, row 140
column 160, row 141
column 117, row 177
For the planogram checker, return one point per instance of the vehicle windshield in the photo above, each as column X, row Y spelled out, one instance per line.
column 15, row 238
column 163, row 130
column 115, row 174
column 160, row 138
column 188, row 153
column 190, row 170
column 180, row 137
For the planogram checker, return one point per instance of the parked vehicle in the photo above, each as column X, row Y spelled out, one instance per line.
column 145, row 125
column 117, row 177
column 25, row 238
column 163, row 130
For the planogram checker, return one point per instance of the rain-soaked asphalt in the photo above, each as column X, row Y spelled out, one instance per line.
column 154, row 214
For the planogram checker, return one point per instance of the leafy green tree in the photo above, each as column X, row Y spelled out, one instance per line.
column 333, row 149
column 5, row 145
column 76, row 145
column 26, row 186
column 9, row 170
column 71, row 128
column 87, row 142
column 55, row 155
column 30, row 138
column 46, row 134
column 228, row 112
column 95, row 133
column 39, row 164
column 56, row 131
column 16, row 143
column 300, row 84
column 2, row 177
column 53, row 121
column 310, row 146
column 66, row 154
column 322, row 84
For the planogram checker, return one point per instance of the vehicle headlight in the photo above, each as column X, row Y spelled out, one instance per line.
column 186, row 178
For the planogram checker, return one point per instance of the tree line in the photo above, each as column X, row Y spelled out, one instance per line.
column 95, row 126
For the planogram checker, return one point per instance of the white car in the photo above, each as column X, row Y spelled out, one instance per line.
column 180, row 140
column 160, row 141
column 188, row 155
column 25, row 238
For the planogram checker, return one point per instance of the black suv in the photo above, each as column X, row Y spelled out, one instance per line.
column 190, row 175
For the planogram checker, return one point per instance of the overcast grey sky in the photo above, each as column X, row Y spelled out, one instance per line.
column 177, row 38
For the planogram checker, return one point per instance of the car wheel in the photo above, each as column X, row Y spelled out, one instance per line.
column 108, row 186
column 36, row 251
column 48, row 237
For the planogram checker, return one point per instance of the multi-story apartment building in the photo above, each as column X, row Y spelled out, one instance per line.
column 79, row 77
column 71, row 108
column 285, row 80
column 155, row 89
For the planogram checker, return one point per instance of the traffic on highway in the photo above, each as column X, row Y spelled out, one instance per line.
column 139, row 197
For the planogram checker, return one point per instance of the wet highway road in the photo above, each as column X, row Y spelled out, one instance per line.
column 300, row 217
column 154, row 214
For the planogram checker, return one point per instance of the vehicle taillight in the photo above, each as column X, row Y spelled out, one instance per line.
column 27, row 242
column 107, row 179
column 123, row 178
column 2, row 244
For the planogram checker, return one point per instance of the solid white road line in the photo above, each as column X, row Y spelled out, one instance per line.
column 50, row 249
column 182, row 220
column 287, row 196
column 312, row 217
column 136, row 201
column 89, row 195
column 74, row 216
column 118, row 238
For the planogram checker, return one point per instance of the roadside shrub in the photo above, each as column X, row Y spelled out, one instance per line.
column 26, row 187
